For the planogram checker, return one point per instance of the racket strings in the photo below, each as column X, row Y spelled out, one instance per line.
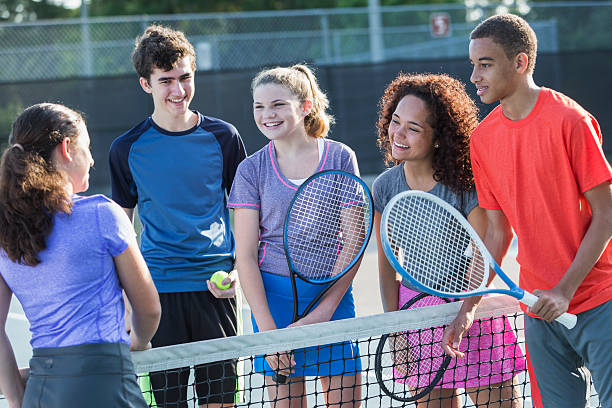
column 411, row 353
column 411, row 359
column 433, row 246
column 327, row 226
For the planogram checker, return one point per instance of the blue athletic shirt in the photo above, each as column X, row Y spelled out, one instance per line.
column 179, row 182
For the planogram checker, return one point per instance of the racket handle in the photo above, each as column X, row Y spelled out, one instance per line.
column 566, row 319
column 279, row 378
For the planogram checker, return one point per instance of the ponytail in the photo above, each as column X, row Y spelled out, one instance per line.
column 318, row 121
column 32, row 190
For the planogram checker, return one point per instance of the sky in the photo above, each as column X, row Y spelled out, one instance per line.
column 69, row 3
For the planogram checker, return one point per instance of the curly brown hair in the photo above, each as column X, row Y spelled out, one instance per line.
column 454, row 116
column 512, row 33
column 32, row 190
column 160, row 47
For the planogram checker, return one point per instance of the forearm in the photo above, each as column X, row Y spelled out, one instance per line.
column 555, row 301
column 590, row 250
column 11, row 383
column 470, row 304
column 389, row 281
column 497, row 242
column 144, row 317
column 497, row 238
column 144, row 326
column 255, row 294
column 140, row 294
column 389, row 287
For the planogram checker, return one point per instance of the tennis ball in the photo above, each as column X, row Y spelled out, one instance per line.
column 218, row 277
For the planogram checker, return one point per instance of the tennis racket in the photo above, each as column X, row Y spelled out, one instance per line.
column 433, row 246
column 327, row 228
column 408, row 365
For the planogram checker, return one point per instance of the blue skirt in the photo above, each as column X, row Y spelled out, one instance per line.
column 322, row 360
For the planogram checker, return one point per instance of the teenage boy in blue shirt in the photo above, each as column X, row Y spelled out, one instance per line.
column 176, row 167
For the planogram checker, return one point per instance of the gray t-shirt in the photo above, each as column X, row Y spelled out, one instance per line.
column 260, row 185
column 393, row 181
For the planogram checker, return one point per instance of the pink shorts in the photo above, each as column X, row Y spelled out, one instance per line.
column 492, row 354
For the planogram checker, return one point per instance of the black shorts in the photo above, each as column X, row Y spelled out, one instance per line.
column 188, row 317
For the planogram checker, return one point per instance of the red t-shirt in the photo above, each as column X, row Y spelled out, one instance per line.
column 536, row 170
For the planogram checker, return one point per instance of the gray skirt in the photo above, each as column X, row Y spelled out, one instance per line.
column 87, row 375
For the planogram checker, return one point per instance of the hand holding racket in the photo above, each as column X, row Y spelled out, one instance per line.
column 408, row 365
column 433, row 246
column 327, row 228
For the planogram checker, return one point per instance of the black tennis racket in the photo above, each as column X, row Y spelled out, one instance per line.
column 327, row 228
column 409, row 364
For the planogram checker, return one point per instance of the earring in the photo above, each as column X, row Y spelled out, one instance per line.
column 436, row 145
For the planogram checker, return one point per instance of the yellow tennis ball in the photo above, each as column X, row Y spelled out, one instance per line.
column 218, row 277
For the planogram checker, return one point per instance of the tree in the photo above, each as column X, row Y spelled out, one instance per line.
column 136, row 7
column 18, row 11
column 30, row 10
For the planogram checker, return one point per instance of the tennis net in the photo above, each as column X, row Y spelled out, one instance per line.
column 365, row 333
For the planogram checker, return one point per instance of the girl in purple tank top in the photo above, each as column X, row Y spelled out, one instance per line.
column 289, row 108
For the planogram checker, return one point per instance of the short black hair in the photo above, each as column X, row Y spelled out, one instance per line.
column 513, row 33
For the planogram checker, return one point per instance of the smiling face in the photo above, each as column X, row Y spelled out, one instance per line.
column 172, row 90
column 494, row 74
column 410, row 134
column 278, row 113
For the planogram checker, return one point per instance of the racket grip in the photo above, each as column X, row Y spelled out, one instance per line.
column 566, row 319
column 279, row 378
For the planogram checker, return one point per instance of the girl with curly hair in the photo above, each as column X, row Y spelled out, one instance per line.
column 424, row 128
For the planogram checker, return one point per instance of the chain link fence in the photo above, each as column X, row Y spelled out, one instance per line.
column 229, row 41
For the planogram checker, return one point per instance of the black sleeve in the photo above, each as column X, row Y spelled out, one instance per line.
column 123, row 187
column 232, row 149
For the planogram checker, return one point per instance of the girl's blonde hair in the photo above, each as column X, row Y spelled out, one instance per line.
column 302, row 83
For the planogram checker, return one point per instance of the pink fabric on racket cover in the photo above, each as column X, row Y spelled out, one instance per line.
column 492, row 354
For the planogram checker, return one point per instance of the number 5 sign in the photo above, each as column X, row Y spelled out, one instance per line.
column 440, row 24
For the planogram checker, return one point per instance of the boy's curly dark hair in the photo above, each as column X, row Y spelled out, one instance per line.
column 454, row 116
column 160, row 47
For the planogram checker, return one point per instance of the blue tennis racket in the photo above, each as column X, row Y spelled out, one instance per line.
column 327, row 228
column 433, row 246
